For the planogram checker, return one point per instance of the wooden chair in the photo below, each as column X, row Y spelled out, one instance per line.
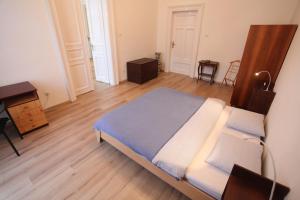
column 231, row 74
column 3, row 122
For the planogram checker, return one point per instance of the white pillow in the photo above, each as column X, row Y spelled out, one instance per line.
column 246, row 121
column 230, row 150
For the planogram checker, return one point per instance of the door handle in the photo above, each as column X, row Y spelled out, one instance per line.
column 172, row 44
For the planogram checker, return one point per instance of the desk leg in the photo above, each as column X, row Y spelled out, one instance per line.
column 11, row 144
column 12, row 121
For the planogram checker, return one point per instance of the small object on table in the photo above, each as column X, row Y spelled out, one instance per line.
column 210, row 65
column 23, row 106
column 142, row 70
column 247, row 185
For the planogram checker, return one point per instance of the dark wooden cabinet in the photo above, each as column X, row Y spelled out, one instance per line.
column 265, row 49
column 247, row 185
column 142, row 70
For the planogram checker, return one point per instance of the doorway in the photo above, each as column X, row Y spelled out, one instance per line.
column 183, row 39
column 75, row 27
column 95, row 29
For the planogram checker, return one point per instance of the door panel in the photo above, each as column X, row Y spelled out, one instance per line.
column 68, row 17
column 76, row 71
column 97, row 36
column 184, row 36
column 189, row 44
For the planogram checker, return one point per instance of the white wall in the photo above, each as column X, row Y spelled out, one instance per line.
column 28, row 49
column 225, row 25
column 283, row 127
column 136, row 23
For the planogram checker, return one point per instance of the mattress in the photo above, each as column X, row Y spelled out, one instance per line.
column 203, row 175
column 178, row 153
column 146, row 124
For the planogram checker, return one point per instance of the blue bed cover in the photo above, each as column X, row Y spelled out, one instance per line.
column 148, row 122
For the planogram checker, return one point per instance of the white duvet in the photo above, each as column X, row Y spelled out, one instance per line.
column 178, row 153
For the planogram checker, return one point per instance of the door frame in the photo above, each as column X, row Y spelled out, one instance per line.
column 182, row 8
column 109, row 23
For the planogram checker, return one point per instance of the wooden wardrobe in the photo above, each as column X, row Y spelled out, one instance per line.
column 265, row 49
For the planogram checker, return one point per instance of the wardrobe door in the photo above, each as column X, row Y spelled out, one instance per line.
column 265, row 49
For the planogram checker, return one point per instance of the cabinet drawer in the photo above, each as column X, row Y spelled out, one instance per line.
column 28, row 116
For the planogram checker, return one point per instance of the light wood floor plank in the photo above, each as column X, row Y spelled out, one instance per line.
column 64, row 161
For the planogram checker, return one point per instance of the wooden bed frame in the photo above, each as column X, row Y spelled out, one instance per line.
column 181, row 185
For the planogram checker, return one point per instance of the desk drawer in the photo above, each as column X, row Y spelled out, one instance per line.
column 28, row 116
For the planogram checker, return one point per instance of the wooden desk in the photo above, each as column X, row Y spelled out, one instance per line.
column 247, row 185
column 23, row 106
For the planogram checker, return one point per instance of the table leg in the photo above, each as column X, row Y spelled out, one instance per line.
column 11, row 144
column 12, row 121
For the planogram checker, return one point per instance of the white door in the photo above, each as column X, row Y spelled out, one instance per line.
column 69, row 21
column 97, row 39
column 185, row 35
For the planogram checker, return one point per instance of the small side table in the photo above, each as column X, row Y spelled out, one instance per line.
column 207, row 64
column 260, row 101
column 247, row 185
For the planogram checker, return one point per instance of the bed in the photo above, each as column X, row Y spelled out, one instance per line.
column 171, row 133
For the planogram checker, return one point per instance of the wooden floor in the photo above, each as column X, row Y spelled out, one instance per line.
column 64, row 161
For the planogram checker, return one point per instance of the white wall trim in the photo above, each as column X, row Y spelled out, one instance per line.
column 177, row 8
column 111, row 44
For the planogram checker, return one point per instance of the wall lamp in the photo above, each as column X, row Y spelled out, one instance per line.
column 270, row 78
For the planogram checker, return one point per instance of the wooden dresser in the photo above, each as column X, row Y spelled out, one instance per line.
column 23, row 106
column 142, row 70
